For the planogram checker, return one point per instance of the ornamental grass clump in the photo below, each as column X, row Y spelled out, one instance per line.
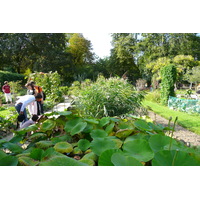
column 108, row 97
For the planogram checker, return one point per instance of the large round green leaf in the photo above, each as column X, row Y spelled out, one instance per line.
column 36, row 154
column 104, row 121
column 27, row 161
column 78, row 128
column 142, row 125
column 62, row 161
column 91, row 156
column 9, row 161
column 48, row 124
column 137, row 136
column 174, row 158
column 44, row 144
column 63, row 147
column 83, row 144
column 2, row 154
column 139, row 149
column 121, row 159
column 98, row 145
column 160, row 142
column 87, row 161
column 110, row 128
column 105, row 157
column 123, row 133
column 92, row 121
column 71, row 124
column 13, row 147
column 98, row 133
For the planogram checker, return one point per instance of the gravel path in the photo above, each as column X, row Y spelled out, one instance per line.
column 180, row 133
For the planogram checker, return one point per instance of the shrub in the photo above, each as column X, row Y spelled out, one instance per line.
column 64, row 90
column 168, row 76
column 153, row 96
column 108, row 97
column 8, row 76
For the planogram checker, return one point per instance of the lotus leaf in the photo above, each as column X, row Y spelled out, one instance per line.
column 13, row 147
column 142, row 125
column 36, row 154
column 99, row 145
column 49, row 153
column 91, row 156
column 105, row 157
column 89, row 162
column 139, row 149
column 2, row 154
column 83, row 144
column 8, row 161
column 98, row 133
column 27, row 161
column 72, row 123
column 137, row 136
column 36, row 136
column 76, row 150
column 123, row 133
column 109, row 128
column 159, row 142
column 65, row 113
column 118, row 143
column 92, row 121
column 104, row 121
column 78, row 128
column 48, row 124
column 44, row 144
column 16, row 139
column 121, row 159
column 63, row 147
column 174, row 158
column 62, row 161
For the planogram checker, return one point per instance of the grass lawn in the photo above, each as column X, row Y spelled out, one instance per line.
column 188, row 121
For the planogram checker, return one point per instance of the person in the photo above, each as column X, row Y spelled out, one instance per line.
column 22, row 103
column 31, row 121
column 32, row 107
column 6, row 90
column 38, row 90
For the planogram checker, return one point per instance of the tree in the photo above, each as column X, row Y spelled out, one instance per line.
column 168, row 77
column 193, row 75
column 122, row 59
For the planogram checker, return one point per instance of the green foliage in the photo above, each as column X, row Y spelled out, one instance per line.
column 153, row 96
column 54, row 145
column 168, row 75
column 8, row 76
column 108, row 97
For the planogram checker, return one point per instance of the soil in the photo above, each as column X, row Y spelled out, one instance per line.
column 180, row 133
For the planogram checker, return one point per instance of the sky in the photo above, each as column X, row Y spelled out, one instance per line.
column 101, row 43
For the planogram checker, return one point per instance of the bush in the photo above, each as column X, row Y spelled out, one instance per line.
column 8, row 76
column 168, row 76
column 108, row 97
column 64, row 90
column 153, row 96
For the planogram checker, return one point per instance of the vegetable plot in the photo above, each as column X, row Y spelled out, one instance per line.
column 66, row 139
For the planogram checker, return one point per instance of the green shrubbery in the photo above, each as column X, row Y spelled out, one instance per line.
column 153, row 96
column 108, row 97
column 168, row 76
column 8, row 76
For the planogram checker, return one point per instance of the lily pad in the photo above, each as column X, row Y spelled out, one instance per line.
column 121, row 159
column 83, row 144
column 78, row 128
column 104, row 121
column 142, row 125
column 89, row 162
column 98, row 133
column 69, row 125
column 99, row 145
column 27, row 161
column 63, row 147
column 105, row 157
column 139, row 149
column 91, row 156
column 174, row 158
column 48, row 124
column 62, row 161
column 44, row 144
column 8, row 161
column 123, row 133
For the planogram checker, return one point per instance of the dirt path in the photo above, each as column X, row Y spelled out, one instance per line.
column 180, row 133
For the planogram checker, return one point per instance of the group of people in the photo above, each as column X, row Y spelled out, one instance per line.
column 33, row 101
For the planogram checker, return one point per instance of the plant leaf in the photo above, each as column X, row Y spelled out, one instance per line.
column 63, row 147
column 13, row 147
column 44, row 144
column 78, row 128
column 8, row 161
column 36, row 154
column 27, row 161
column 61, row 161
column 139, row 149
column 83, row 144
column 98, row 133
column 48, row 124
column 121, row 159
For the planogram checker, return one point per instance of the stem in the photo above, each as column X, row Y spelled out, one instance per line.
column 176, row 153
column 170, row 144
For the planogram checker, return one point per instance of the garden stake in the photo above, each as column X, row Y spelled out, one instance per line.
column 173, row 132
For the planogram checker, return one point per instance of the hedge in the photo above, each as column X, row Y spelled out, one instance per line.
column 8, row 76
